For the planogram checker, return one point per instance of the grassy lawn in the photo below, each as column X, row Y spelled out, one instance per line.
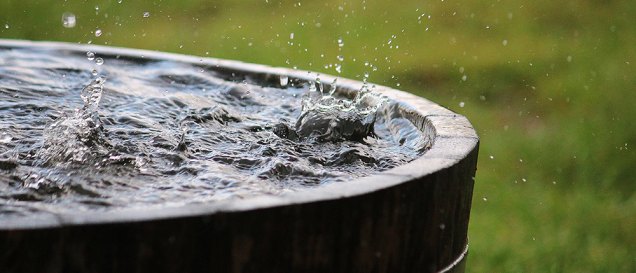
column 549, row 85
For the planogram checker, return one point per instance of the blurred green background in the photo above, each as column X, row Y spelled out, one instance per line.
column 549, row 85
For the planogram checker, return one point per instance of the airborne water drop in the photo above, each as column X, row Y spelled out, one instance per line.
column 340, row 42
column 68, row 20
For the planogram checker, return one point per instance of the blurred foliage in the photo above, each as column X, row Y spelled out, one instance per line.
column 549, row 85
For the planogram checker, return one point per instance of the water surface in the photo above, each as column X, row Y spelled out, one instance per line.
column 143, row 132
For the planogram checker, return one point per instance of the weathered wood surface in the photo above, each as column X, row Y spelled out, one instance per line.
column 413, row 218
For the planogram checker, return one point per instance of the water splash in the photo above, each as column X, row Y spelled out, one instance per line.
column 325, row 117
column 78, row 137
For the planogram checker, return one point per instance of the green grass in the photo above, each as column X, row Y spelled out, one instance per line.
column 550, row 87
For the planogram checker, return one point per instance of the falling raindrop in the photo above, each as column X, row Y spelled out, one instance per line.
column 462, row 104
column 98, row 32
column 338, row 68
column 90, row 55
column 68, row 20
column 504, row 42
column 340, row 58
column 99, row 61
column 146, row 14
column 340, row 42
column 6, row 26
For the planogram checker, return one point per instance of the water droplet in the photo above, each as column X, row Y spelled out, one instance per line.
column 464, row 78
column 6, row 26
column 462, row 104
column 291, row 36
column 492, row 157
column 340, row 42
column 119, row 1
column 90, row 55
column 68, row 20
column 284, row 80
column 99, row 61
column 340, row 58
column 504, row 42
column 484, row 198
column 94, row 72
column 338, row 68
column 98, row 32
column 442, row 226
column 569, row 59
column 146, row 14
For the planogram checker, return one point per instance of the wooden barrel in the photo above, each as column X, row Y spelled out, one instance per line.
column 412, row 218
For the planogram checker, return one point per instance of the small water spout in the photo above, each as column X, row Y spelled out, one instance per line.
column 75, row 137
